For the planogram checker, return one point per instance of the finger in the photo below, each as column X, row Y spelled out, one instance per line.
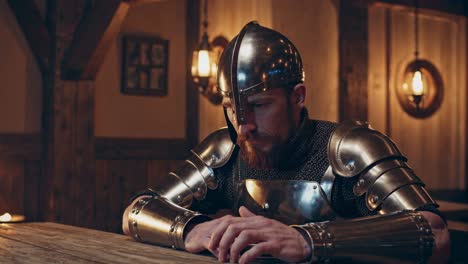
column 257, row 250
column 218, row 232
column 227, row 238
column 245, row 238
column 230, row 235
column 244, row 212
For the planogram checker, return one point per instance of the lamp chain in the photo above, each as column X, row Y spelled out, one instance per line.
column 205, row 14
column 416, row 28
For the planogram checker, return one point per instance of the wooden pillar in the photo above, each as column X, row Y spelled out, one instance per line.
column 353, row 70
column 68, row 127
column 81, row 34
column 192, row 102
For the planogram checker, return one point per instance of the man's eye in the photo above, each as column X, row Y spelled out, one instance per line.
column 260, row 105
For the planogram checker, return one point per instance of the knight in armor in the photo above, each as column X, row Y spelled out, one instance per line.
column 297, row 189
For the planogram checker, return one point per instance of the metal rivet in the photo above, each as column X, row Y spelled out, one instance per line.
column 428, row 231
column 177, row 219
column 199, row 189
column 179, row 198
column 172, row 228
column 374, row 199
column 350, row 166
column 360, row 183
column 133, row 210
column 314, row 187
column 134, row 224
column 266, row 206
column 187, row 213
column 329, row 235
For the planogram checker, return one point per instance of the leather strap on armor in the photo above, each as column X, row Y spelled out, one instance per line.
column 398, row 237
column 386, row 180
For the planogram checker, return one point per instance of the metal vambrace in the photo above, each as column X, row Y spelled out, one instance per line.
column 155, row 220
column 399, row 237
column 161, row 214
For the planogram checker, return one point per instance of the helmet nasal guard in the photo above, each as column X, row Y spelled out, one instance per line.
column 256, row 60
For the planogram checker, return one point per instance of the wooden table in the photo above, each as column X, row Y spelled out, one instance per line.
column 57, row 243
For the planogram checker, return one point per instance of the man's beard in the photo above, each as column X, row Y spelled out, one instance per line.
column 255, row 157
column 258, row 158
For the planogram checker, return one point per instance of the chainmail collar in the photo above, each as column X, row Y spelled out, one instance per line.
column 298, row 145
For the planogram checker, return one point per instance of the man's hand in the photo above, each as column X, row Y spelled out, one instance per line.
column 226, row 237
column 198, row 237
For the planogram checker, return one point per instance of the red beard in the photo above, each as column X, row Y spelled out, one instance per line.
column 256, row 157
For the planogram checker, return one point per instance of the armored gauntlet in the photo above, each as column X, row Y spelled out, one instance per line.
column 390, row 189
column 161, row 213
column 398, row 237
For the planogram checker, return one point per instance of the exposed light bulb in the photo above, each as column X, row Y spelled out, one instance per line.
column 417, row 84
column 204, row 66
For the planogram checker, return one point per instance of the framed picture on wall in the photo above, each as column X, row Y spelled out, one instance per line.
column 144, row 65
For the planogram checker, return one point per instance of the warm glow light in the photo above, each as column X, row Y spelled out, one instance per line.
column 204, row 66
column 214, row 68
column 6, row 217
column 417, row 84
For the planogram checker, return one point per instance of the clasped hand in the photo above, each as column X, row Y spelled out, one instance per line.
column 228, row 236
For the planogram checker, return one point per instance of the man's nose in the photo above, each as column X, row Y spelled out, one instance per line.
column 247, row 129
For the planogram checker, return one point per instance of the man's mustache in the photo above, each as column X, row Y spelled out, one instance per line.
column 241, row 139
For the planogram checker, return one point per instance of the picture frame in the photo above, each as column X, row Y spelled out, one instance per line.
column 145, row 62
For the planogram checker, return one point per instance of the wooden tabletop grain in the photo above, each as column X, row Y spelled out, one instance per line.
column 56, row 243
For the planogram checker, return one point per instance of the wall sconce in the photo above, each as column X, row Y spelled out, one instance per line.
column 204, row 63
column 420, row 88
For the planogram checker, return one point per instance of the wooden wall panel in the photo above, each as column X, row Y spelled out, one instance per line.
column 435, row 146
column 32, row 176
column 118, row 180
column 20, row 147
column 11, row 186
column 20, row 173
column 353, row 62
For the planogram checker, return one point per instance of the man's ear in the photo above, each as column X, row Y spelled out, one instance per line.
column 298, row 95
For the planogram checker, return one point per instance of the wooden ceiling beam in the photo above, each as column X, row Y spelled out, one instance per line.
column 91, row 41
column 456, row 7
column 34, row 29
column 136, row 2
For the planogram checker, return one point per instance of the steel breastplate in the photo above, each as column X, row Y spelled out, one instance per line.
column 289, row 201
